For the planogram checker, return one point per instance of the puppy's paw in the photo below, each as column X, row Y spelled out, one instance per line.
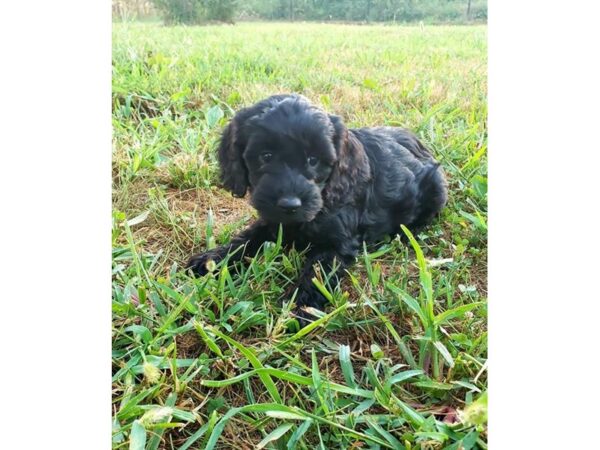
column 310, row 297
column 308, row 302
column 203, row 263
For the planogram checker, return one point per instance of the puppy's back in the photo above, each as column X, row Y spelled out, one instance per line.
column 405, row 138
column 394, row 153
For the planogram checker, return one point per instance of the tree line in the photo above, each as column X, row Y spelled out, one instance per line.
column 367, row 10
column 198, row 11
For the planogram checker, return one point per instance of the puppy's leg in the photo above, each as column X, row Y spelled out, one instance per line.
column 246, row 243
column 333, row 265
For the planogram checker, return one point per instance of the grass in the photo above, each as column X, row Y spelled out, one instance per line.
column 399, row 358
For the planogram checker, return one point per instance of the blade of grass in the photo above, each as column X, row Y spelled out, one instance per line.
column 137, row 436
column 194, row 437
column 444, row 352
column 287, row 376
column 395, row 443
column 274, row 435
column 455, row 312
column 402, row 376
column 207, row 339
column 249, row 354
column 346, row 364
column 307, row 329
column 297, row 435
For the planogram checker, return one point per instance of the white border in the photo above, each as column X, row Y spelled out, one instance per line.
column 543, row 148
column 56, row 181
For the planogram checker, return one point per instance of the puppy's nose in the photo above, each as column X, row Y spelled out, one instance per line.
column 289, row 204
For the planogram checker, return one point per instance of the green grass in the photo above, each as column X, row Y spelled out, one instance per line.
column 399, row 358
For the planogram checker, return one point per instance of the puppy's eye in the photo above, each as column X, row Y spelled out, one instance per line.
column 313, row 161
column 266, row 157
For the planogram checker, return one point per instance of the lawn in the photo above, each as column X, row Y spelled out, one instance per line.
column 399, row 359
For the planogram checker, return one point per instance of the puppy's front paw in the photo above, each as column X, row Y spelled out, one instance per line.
column 203, row 263
column 308, row 300
column 310, row 297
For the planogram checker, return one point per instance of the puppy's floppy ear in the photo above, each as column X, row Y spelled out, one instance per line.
column 352, row 166
column 340, row 133
column 234, row 174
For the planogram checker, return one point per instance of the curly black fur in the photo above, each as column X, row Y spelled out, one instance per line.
column 330, row 187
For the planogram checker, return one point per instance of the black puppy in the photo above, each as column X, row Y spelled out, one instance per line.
column 330, row 187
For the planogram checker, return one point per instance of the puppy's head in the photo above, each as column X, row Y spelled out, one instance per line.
column 284, row 151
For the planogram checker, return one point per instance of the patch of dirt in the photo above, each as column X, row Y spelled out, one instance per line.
column 479, row 274
column 177, row 224
column 131, row 198
column 189, row 345
column 226, row 208
column 237, row 434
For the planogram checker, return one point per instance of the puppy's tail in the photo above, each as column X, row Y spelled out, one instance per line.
column 432, row 193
